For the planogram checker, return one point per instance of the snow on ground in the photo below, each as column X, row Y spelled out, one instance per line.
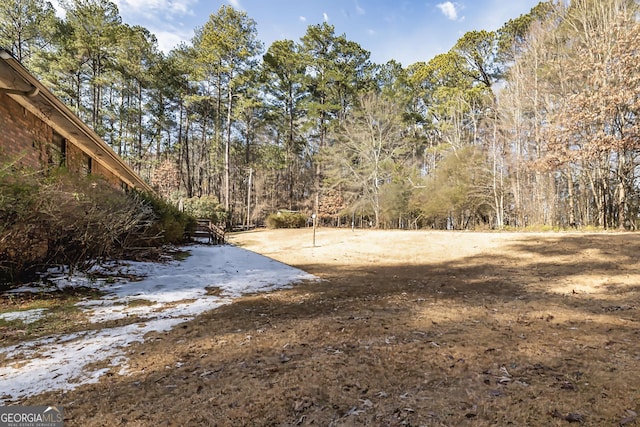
column 26, row 316
column 170, row 294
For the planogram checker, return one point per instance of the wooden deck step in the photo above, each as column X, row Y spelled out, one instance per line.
column 213, row 232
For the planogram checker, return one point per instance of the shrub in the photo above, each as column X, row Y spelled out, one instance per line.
column 205, row 207
column 18, row 228
column 170, row 225
column 76, row 222
column 61, row 220
column 286, row 220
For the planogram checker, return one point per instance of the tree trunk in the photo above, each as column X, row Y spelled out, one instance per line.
column 139, row 150
column 571, row 196
column 621, row 193
column 227, row 154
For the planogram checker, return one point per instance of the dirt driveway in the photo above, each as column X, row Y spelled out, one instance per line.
column 406, row 328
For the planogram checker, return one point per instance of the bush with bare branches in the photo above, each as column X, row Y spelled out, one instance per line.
column 74, row 222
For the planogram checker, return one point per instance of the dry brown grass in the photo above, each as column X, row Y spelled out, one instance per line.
column 406, row 328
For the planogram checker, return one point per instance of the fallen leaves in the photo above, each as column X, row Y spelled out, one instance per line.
column 630, row 418
column 391, row 362
column 570, row 417
column 472, row 412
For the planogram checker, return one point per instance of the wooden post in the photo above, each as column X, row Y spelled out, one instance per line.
column 314, row 216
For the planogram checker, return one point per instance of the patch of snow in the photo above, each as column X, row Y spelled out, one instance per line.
column 33, row 289
column 42, row 365
column 115, row 312
column 174, row 292
column 26, row 316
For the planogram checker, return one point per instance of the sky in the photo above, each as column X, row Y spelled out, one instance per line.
column 405, row 30
column 174, row 293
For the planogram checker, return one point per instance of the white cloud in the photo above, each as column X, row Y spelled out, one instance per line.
column 60, row 12
column 168, row 40
column 449, row 10
column 161, row 17
column 325, row 16
column 180, row 8
column 152, row 9
column 302, row 19
column 235, row 4
column 359, row 9
column 147, row 10
column 130, row 10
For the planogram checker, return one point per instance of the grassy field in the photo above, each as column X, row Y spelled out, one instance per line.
column 405, row 328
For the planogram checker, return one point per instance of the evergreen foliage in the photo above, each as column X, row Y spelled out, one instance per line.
column 286, row 220
column 535, row 124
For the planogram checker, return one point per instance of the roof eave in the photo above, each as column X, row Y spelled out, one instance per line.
column 35, row 97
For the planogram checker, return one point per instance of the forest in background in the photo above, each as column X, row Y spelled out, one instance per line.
column 534, row 125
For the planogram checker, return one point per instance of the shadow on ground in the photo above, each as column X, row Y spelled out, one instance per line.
column 543, row 331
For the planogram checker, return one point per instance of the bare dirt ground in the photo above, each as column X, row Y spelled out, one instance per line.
column 406, row 328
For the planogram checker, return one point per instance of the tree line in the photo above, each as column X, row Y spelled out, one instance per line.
column 533, row 125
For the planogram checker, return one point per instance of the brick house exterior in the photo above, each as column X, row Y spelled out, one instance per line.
column 38, row 131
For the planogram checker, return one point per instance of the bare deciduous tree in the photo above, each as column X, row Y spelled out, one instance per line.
column 366, row 149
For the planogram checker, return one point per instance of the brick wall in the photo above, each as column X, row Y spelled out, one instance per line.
column 76, row 160
column 29, row 141
column 110, row 177
column 23, row 136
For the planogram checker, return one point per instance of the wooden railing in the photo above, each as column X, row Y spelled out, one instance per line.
column 213, row 232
